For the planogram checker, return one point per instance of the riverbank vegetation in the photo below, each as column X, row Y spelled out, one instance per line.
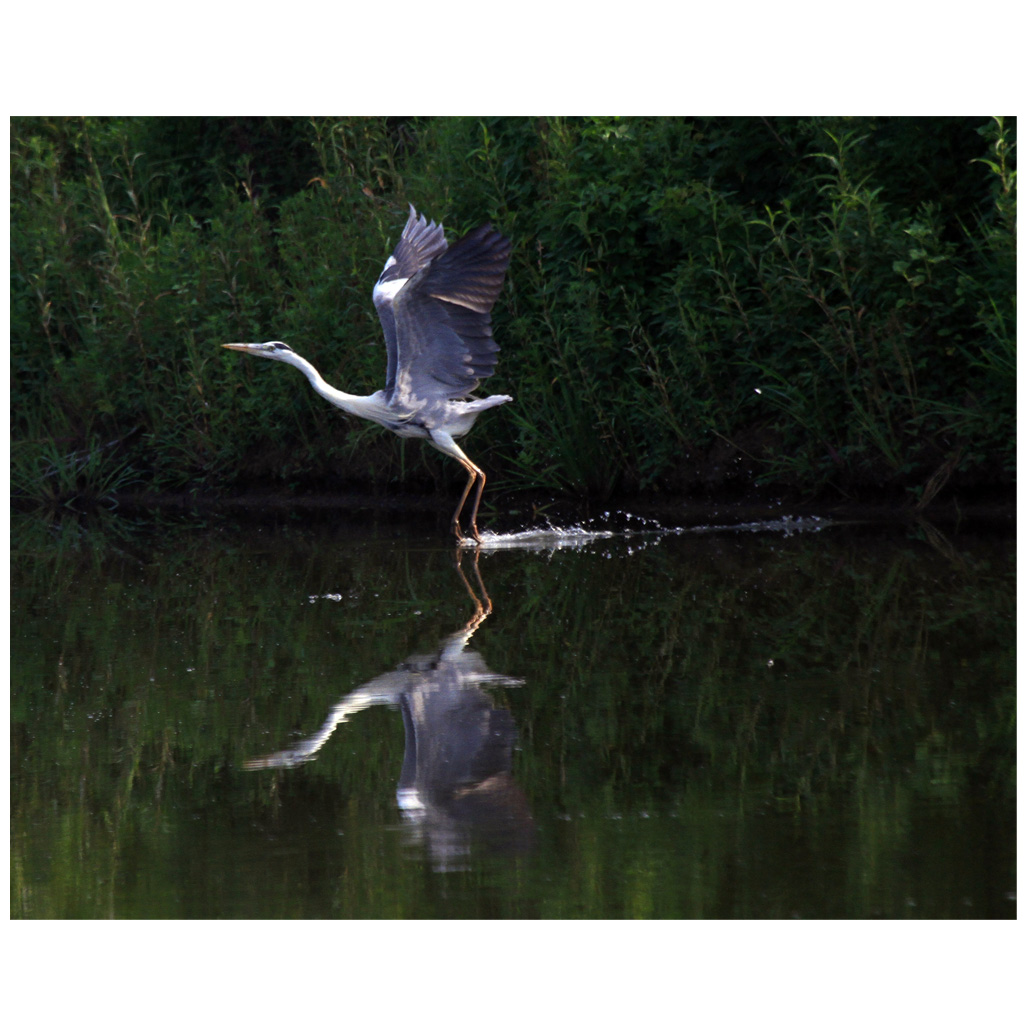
column 694, row 306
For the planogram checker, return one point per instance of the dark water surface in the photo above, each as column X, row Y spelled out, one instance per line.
column 300, row 720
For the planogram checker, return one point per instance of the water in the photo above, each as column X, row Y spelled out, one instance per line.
column 343, row 719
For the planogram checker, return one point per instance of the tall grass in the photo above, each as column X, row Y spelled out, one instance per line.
column 827, row 304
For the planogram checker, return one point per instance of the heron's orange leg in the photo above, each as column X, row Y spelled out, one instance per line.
column 475, row 473
column 481, row 480
column 444, row 442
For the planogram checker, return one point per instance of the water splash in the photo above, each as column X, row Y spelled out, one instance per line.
column 547, row 538
column 640, row 530
column 786, row 525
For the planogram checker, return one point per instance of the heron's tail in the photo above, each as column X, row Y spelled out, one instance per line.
column 480, row 404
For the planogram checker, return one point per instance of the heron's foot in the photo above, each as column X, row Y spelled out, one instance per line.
column 462, row 538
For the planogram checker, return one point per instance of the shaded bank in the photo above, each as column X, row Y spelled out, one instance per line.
column 695, row 306
column 996, row 510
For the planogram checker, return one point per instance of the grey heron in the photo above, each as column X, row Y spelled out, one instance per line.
column 434, row 304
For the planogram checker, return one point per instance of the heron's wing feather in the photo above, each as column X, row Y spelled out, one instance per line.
column 443, row 319
column 420, row 244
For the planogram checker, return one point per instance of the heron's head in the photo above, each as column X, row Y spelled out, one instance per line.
column 268, row 349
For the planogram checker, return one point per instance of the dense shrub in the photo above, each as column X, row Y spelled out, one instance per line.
column 828, row 303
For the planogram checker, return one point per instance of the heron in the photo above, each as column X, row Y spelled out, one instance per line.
column 434, row 302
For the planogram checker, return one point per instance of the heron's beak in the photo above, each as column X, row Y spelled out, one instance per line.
column 239, row 348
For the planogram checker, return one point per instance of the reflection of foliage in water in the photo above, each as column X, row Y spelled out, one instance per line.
column 859, row 686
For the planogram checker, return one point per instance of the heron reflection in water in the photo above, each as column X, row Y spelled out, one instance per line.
column 434, row 304
column 456, row 781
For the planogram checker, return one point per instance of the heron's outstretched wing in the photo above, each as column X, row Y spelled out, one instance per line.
column 420, row 244
column 443, row 320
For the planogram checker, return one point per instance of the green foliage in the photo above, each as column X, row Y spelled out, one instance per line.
column 824, row 302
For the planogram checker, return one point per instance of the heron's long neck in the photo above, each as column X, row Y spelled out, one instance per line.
column 356, row 405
